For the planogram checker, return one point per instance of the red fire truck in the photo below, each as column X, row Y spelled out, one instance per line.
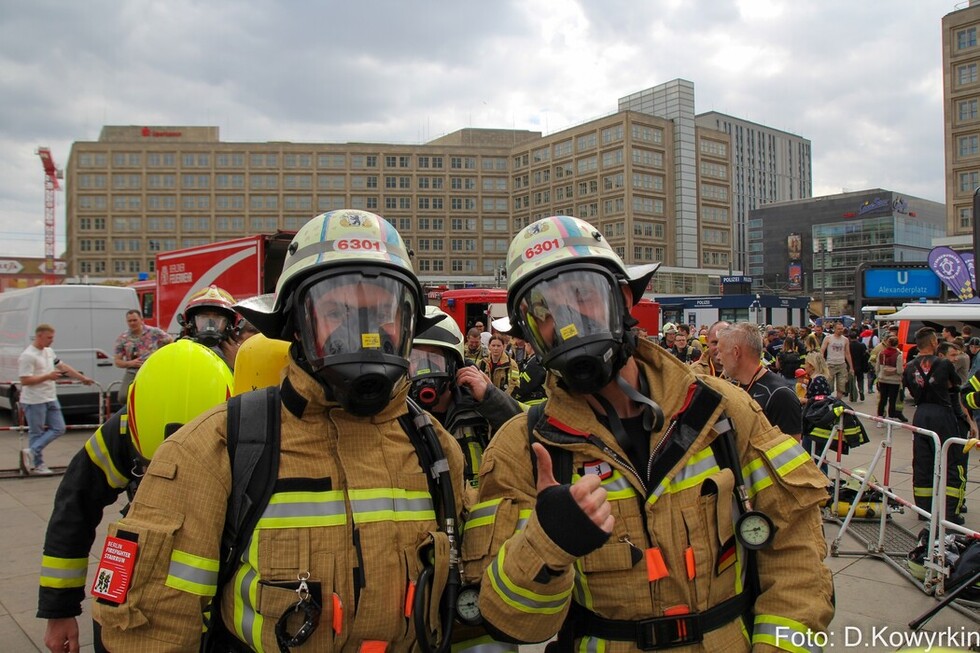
column 244, row 267
column 471, row 305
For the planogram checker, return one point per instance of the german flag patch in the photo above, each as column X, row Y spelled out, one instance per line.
column 726, row 556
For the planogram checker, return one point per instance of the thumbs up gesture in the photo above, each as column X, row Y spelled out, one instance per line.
column 577, row 517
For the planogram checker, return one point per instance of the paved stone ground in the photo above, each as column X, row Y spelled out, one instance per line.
column 874, row 602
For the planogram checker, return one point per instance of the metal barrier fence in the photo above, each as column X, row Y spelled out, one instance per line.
column 889, row 541
column 104, row 411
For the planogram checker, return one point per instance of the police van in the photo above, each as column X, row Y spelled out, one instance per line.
column 87, row 320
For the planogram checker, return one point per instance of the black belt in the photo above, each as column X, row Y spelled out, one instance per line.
column 659, row 632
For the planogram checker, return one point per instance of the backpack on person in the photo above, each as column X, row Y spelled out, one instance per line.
column 253, row 438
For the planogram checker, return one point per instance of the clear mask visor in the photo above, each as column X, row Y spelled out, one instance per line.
column 574, row 304
column 428, row 361
column 210, row 323
column 352, row 313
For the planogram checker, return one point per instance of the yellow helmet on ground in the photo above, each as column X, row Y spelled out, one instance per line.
column 177, row 383
column 259, row 363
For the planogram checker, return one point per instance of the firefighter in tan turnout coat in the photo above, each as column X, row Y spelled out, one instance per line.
column 351, row 511
column 652, row 546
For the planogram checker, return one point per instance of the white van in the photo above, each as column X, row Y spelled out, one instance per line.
column 87, row 321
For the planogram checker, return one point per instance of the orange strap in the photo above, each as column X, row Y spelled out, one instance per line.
column 656, row 567
column 689, row 562
column 677, row 611
column 373, row 646
column 338, row 615
column 409, row 598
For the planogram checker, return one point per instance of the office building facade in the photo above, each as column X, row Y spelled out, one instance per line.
column 812, row 247
column 961, row 110
column 766, row 165
column 457, row 200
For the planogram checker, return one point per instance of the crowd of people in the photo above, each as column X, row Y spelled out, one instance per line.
column 393, row 481
column 802, row 388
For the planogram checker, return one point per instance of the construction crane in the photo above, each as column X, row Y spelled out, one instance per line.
column 51, row 176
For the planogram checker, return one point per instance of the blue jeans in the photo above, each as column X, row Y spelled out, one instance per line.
column 38, row 417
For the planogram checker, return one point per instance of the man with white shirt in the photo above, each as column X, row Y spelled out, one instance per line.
column 39, row 368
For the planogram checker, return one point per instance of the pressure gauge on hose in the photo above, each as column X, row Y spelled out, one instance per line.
column 468, row 605
column 755, row 530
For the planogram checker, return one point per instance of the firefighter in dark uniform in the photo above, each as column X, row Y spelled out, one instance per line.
column 451, row 390
column 175, row 384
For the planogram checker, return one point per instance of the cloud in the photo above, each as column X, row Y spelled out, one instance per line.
column 862, row 81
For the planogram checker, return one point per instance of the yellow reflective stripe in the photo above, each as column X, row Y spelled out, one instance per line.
column 756, row 476
column 589, row 644
column 474, row 451
column 698, row 467
column 580, row 586
column 975, row 381
column 787, row 456
column 248, row 622
column 779, row 632
column 391, row 504
column 62, row 573
column 482, row 514
column 304, row 510
column 192, row 574
column 522, row 517
column 98, row 453
column 617, row 486
column 921, row 491
column 520, row 598
column 971, row 400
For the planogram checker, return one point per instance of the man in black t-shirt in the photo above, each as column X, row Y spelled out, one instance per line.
column 740, row 351
column 933, row 383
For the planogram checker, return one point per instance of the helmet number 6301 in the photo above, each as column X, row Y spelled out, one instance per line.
column 541, row 248
column 359, row 245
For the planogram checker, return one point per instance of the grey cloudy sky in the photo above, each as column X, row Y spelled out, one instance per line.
column 861, row 79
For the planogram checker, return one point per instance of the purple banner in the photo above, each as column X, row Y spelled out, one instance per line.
column 950, row 267
column 969, row 260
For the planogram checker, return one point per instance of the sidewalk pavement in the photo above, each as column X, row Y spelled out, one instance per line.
column 874, row 602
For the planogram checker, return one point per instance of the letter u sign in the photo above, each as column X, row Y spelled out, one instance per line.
column 903, row 277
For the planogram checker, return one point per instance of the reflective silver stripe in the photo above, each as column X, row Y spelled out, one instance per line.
column 521, row 598
column 98, row 452
column 618, row 484
column 787, row 456
column 723, row 426
column 390, row 504
column 195, row 575
column 592, row 645
column 57, row 572
column 485, row 511
column 325, row 509
column 695, row 466
column 247, row 619
column 304, row 510
column 756, row 476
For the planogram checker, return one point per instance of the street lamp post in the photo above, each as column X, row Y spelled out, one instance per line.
column 823, row 247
